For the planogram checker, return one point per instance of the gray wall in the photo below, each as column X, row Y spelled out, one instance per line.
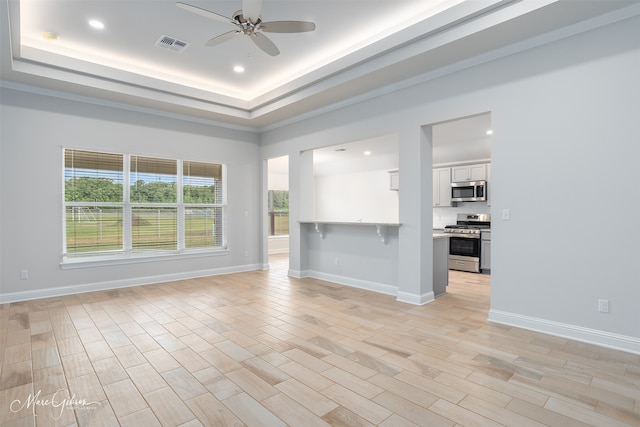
column 565, row 138
column 35, row 128
column 353, row 255
column 565, row 130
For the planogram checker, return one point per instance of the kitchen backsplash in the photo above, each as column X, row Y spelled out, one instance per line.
column 448, row 216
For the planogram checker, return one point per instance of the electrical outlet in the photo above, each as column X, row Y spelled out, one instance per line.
column 24, row 274
column 337, row 261
column 603, row 305
column 506, row 214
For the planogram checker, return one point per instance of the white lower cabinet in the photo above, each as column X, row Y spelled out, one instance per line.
column 485, row 251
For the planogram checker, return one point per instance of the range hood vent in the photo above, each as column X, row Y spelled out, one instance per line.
column 172, row 43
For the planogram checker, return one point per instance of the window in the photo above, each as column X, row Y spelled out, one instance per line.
column 119, row 205
column 203, row 196
column 94, row 201
column 278, row 212
column 153, row 197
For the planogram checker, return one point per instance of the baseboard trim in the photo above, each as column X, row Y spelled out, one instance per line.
column 381, row 288
column 278, row 251
column 564, row 330
column 296, row 274
column 116, row 284
column 416, row 299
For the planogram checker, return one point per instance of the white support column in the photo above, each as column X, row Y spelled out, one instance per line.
column 301, row 207
column 415, row 264
column 264, row 209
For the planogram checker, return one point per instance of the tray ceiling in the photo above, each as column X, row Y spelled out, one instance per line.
column 359, row 47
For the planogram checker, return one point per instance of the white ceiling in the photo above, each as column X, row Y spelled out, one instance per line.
column 359, row 46
column 456, row 141
column 377, row 153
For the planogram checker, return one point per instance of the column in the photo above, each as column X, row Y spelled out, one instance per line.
column 415, row 252
column 301, row 207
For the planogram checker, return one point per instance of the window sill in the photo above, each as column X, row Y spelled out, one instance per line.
column 105, row 261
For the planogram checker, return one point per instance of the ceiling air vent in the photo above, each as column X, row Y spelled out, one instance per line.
column 172, row 43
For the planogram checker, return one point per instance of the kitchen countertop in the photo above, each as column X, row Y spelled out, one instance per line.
column 437, row 235
column 380, row 227
column 311, row 221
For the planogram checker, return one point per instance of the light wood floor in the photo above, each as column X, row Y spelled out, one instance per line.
column 260, row 348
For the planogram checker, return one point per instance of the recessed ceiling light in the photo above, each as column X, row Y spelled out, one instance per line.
column 96, row 24
column 238, row 69
column 489, row 132
column 367, row 153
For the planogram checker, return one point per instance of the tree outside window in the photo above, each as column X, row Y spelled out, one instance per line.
column 278, row 212
column 119, row 204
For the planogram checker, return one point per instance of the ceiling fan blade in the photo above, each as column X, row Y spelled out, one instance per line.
column 204, row 12
column 265, row 44
column 222, row 38
column 287, row 26
column 251, row 10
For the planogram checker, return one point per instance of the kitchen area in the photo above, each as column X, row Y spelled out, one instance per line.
column 470, row 243
column 461, row 194
column 351, row 232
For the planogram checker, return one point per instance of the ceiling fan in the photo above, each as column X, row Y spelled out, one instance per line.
column 249, row 22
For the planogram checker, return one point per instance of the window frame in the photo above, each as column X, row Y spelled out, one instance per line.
column 129, row 254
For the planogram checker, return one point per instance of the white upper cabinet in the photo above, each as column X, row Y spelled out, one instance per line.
column 469, row 173
column 394, row 180
column 442, row 187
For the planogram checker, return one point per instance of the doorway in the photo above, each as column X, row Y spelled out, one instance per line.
column 458, row 144
column 278, row 212
column 461, row 151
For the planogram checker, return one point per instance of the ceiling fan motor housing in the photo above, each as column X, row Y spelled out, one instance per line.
column 247, row 27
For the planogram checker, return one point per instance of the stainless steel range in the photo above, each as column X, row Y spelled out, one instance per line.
column 465, row 243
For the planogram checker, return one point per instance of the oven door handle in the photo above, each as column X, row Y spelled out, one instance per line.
column 465, row 236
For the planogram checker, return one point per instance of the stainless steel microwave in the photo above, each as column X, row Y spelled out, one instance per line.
column 469, row 191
